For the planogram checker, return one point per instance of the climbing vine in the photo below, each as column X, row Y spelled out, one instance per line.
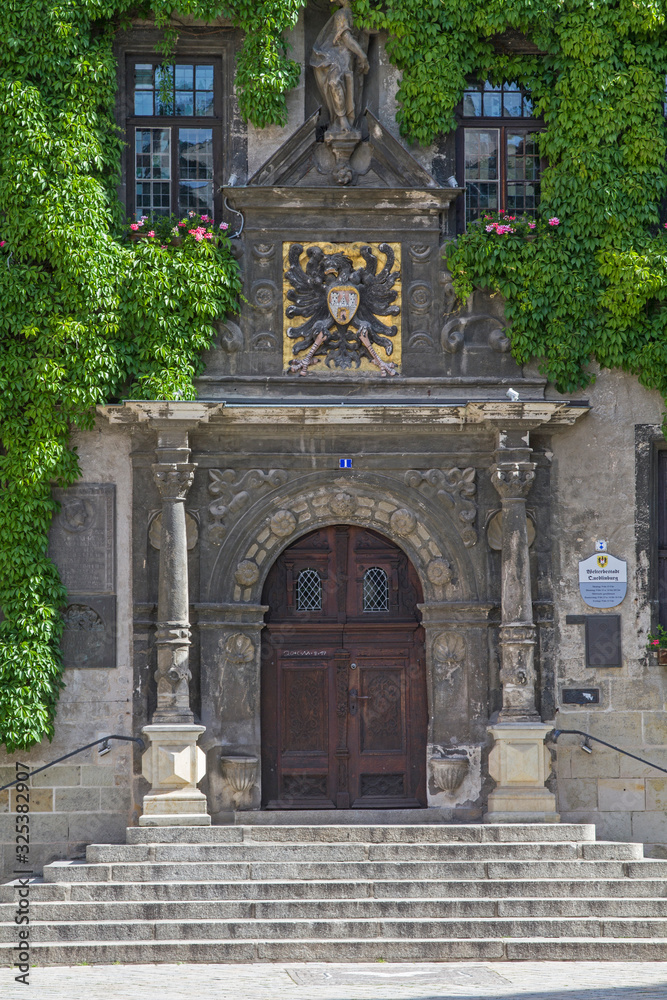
column 88, row 317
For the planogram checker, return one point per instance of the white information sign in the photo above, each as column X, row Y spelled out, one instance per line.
column 603, row 580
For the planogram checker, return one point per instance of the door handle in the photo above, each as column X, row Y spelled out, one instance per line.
column 355, row 697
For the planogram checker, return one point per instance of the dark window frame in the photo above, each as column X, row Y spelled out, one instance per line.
column 174, row 123
column 140, row 44
column 502, row 123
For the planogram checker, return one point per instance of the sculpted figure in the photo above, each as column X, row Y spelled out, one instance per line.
column 340, row 63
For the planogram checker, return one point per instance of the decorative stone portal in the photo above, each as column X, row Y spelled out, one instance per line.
column 427, row 536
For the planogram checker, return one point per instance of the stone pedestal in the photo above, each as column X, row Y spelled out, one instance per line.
column 173, row 764
column 519, row 763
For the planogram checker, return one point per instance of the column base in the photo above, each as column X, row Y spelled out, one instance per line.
column 174, row 764
column 520, row 763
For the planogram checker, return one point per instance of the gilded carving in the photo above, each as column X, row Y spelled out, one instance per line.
column 456, row 488
column 233, row 490
column 402, row 522
column 338, row 294
column 283, row 523
column 247, row 573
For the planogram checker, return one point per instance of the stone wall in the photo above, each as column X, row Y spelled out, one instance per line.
column 87, row 798
column 603, row 489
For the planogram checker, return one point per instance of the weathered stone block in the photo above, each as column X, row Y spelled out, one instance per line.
column 656, row 793
column 98, row 828
column 116, row 799
column 4, row 801
column 577, row 793
column 649, row 827
column 621, row 728
column 77, row 800
column 601, row 763
column 41, row 800
column 58, row 777
column 46, row 828
column 92, row 775
column 655, row 728
column 618, row 794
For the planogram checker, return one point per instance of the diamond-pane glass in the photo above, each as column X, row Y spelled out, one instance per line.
column 376, row 590
column 309, row 591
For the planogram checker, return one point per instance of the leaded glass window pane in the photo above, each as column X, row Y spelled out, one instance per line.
column 481, row 171
column 152, row 154
column 523, row 172
column 376, row 590
column 195, row 170
column 309, row 591
column 184, row 90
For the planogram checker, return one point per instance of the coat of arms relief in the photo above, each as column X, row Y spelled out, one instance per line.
column 337, row 294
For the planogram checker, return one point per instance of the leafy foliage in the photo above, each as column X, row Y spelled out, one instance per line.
column 88, row 317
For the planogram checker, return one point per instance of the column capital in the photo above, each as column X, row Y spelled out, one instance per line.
column 513, row 480
column 173, row 480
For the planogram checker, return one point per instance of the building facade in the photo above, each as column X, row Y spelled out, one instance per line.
column 347, row 576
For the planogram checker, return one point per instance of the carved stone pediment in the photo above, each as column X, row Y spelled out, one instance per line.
column 378, row 160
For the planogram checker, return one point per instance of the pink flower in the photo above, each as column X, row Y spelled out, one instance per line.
column 489, row 229
column 163, row 246
column 182, row 223
column 134, row 225
column 531, row 225
column 656, row 642
column 208, row 236
column 152, row 233
column 666, row 225
column 554, row 221
column 2, row 243
column 223, row 225
column 205, row 218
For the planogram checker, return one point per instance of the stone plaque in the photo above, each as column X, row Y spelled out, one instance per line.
column 81, row 540
column 82, row 545
column 89, row 639
column 603, row 641
column 603, row 580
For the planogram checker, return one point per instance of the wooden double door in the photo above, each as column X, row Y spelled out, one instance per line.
column 343, row 680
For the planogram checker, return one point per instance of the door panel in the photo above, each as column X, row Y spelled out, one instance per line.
column 343, row 690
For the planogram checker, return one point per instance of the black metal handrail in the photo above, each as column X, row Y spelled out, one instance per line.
column 72, row 753
column 579, row 732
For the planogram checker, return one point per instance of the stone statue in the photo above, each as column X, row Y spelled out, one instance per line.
column 340, row 63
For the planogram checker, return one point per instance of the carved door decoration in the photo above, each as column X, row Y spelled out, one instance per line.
column 343, row 678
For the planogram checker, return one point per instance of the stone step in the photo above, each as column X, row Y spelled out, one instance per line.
column 345, row 950
column 322, row 930
column 339, row 909
column 215, row 871
column 326, row 853
column 618, row 888
column 346, row 831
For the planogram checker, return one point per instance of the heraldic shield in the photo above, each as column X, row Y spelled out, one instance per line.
column 343, row 302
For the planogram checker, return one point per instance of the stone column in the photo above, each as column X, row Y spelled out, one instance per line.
column 173, row 763
column 519, row 761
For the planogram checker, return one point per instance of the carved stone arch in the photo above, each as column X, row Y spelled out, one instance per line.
column 428, row 536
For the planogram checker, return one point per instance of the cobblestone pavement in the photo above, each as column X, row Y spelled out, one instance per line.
column 379, row 981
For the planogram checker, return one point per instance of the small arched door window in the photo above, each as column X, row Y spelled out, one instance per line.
column 376, row 590
column 309, row 591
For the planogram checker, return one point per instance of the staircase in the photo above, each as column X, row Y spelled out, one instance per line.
column 277, row 890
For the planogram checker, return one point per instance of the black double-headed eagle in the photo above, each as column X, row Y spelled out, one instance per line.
column 342, row 305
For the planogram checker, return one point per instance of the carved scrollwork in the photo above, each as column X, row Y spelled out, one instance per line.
column 499, row 341
column 456, row 488
column 233, row 491
column 173, row 481
column 451, row 337
column 513, row 482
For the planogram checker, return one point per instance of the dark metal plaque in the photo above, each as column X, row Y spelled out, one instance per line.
column 81, row 540
column 396, row 975
column 603, row 641
column 89, row 638
column 580, row 696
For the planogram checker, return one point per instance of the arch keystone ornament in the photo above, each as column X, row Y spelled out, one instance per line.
column 343, row 504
